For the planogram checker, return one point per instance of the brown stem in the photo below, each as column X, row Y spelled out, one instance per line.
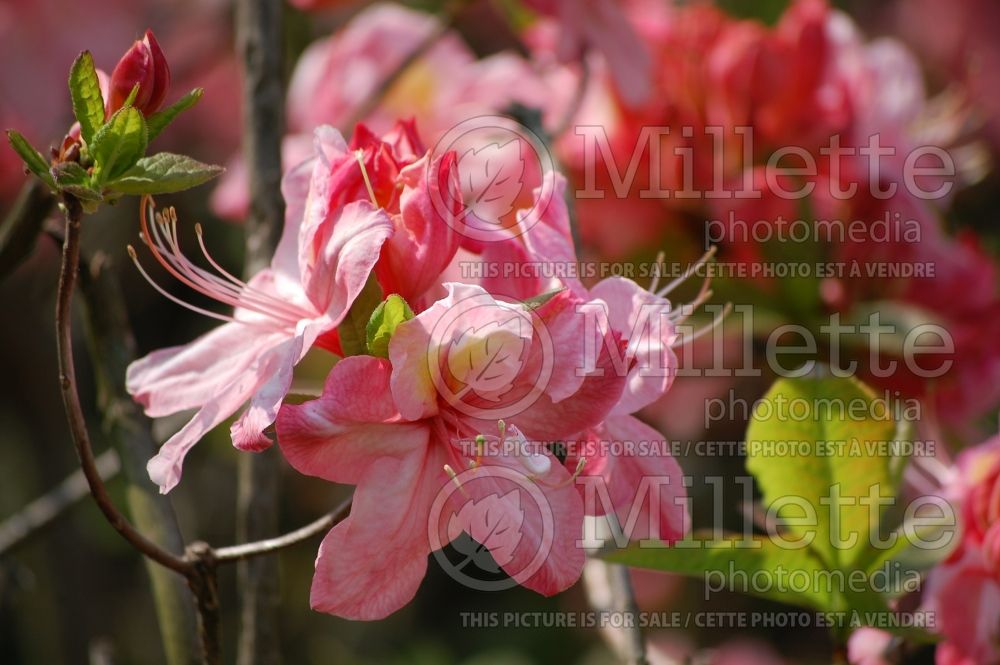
column 271, row 545
column 112, row 349
column 259, row 32
column 71, row 399
column 204, row 584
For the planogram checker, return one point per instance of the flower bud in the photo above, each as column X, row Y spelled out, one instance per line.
column 144, row 65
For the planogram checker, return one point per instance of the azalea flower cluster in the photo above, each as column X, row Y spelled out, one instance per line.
column 470, row 376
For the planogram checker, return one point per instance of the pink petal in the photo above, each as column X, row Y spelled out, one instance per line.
column 248, row 430
column 542, row 553
column 165, row 467
column 641, row 318
column 345, row 436
column 424, row 242
column 372, row 563
column 188, row 376
column 333, row 437
column 350, row 243
column 666, row 520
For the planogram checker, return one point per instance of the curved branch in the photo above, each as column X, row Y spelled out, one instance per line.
column 271, row 545
column 71, row 399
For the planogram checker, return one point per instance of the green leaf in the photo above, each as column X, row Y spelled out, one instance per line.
column 32, row 158
column 74, row 179
column 158, row 121
column 840, row 434
column 730, row 562
column 387, row 316
column 118, row 145
column 537, row 301
column 88, row 103
column 353, row 330
column 164, row 173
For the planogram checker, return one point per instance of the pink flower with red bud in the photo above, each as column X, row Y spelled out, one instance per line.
column 352, row 210
column 144, row 65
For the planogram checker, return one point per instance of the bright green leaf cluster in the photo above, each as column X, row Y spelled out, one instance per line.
column 112, row 160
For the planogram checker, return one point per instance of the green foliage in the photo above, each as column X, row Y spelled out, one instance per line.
column 73, row 178
column 703, row 556
column 838, row 460
column 353, row 330
column 164, row 173
column 158, row 121
column 825, row 501
column 31, row 157
column 111, row 159
column 387, row 316
column 85, row 91
column 118, row 145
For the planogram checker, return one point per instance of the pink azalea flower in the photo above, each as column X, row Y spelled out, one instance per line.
column 398, row 428
column 963, row 592
column 326, row 253
column 641, row 321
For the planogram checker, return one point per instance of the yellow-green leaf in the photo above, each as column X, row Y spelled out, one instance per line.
column 387, row 316
column 824, row 443
column 85, row 90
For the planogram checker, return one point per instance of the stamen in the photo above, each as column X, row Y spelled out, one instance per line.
column 717, row 321
column 360, row 156
column 175, row 299
column 692, row 269
column 660, row 258
column 229, row 290
column 454, row 478
column 582, row 462
column 681, row 315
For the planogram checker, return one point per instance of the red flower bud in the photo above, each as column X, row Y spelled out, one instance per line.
column 143, row 64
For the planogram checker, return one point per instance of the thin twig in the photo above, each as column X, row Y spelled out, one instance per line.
column 271, row 545
column 450, row 17
column 112, row 348
column 42, row 511
column 71, row 399
column 23, row 224
column 259, row 30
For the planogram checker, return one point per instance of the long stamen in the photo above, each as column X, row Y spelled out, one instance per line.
column 245, row 289
column 360, row 156
column 582, row 462
column 716, row 322
column 165, row 248
column 169, row 296
column 681, row 315
column 705, row 258
column 454, row 478
column 661, row 256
